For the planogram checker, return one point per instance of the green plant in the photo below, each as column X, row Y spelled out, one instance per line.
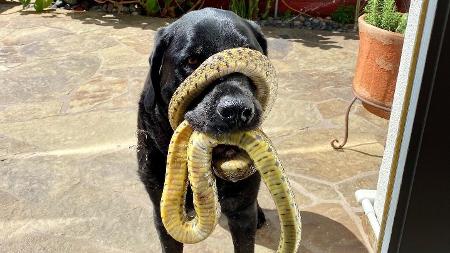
column 402, row 25
column 25, row 3
column 39, row 5
column 170, row 8
column 344, row 14
column 384, row 14
column 246, row 9
column 286, row 15
column 253, row 9
column 265, row 15
column 152, row 7
column 238, row 7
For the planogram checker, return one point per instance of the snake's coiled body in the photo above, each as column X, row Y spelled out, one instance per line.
column 190, row 155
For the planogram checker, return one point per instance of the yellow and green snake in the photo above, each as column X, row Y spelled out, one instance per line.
column 189, row 157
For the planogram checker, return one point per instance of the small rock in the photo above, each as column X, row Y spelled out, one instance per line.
column 323, row 23
column 315, row 21
column 134, row 13
column 58, row 4
column 328, row 18
column 125, row 9
column 95, row 8
column 301, row 18
column 270, row 18
column 277, row 22
column 298, row 23
column 349, row 26
column 307, row 23
column 71, row 2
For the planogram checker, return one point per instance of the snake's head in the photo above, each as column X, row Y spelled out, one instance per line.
column 230, row 105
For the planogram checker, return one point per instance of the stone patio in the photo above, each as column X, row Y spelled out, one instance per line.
column 69, row 84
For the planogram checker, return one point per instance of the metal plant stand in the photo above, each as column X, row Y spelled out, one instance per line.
column 336, row 143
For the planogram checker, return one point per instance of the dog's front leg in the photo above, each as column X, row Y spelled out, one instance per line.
column 242, row 224
column 151, row 172
column 168, row 244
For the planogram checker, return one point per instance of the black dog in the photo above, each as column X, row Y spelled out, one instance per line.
column 229, row 105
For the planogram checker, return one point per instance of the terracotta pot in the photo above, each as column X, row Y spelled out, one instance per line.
column 377, row 67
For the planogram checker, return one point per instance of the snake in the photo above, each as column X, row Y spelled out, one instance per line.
column 190, row 160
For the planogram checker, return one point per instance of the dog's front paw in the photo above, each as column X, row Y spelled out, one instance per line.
column 261, row 218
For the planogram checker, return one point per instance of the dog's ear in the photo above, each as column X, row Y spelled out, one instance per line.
column 259, row 35
column 152, row 83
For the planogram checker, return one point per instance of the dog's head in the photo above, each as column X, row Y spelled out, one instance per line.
column 230, row 103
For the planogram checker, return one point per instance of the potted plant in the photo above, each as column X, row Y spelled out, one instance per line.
column 381, row 40
column 380, row 47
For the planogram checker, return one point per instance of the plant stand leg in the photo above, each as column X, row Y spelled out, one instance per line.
column 357, row 12
column 335, row 142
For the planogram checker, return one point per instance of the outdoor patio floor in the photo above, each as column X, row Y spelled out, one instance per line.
column 69, row 84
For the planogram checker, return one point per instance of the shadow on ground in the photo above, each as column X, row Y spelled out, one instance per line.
column 310, row 38
column 115, row 20
column 4, row 6
column 319, row 234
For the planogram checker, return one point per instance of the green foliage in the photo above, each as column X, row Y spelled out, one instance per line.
column 25, row 3
column 265, row 15
column 238, row 7
column 252, row 9
column 40, row 5
column 170, row 8
column 286, row 15
column 245, row 8
column 384, row 14
column 344, row 14
column 373, row 10
column 403, row 22
column 152, row 7
column 390, row 18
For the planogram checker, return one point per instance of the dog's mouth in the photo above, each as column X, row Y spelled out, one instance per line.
column 231, row 163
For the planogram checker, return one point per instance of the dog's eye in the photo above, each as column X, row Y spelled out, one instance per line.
column 193, row 61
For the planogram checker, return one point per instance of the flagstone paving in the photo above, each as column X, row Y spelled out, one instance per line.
column 69, row 84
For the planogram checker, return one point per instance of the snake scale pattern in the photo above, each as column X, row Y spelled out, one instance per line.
column 190, row 154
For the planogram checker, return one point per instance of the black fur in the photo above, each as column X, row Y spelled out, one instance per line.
column 228, row 106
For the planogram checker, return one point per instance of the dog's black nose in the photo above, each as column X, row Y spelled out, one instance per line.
column 236, row 111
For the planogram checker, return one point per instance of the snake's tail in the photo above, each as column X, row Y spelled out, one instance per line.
column 173, row 213
column 277, row 182
column 258, row 146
